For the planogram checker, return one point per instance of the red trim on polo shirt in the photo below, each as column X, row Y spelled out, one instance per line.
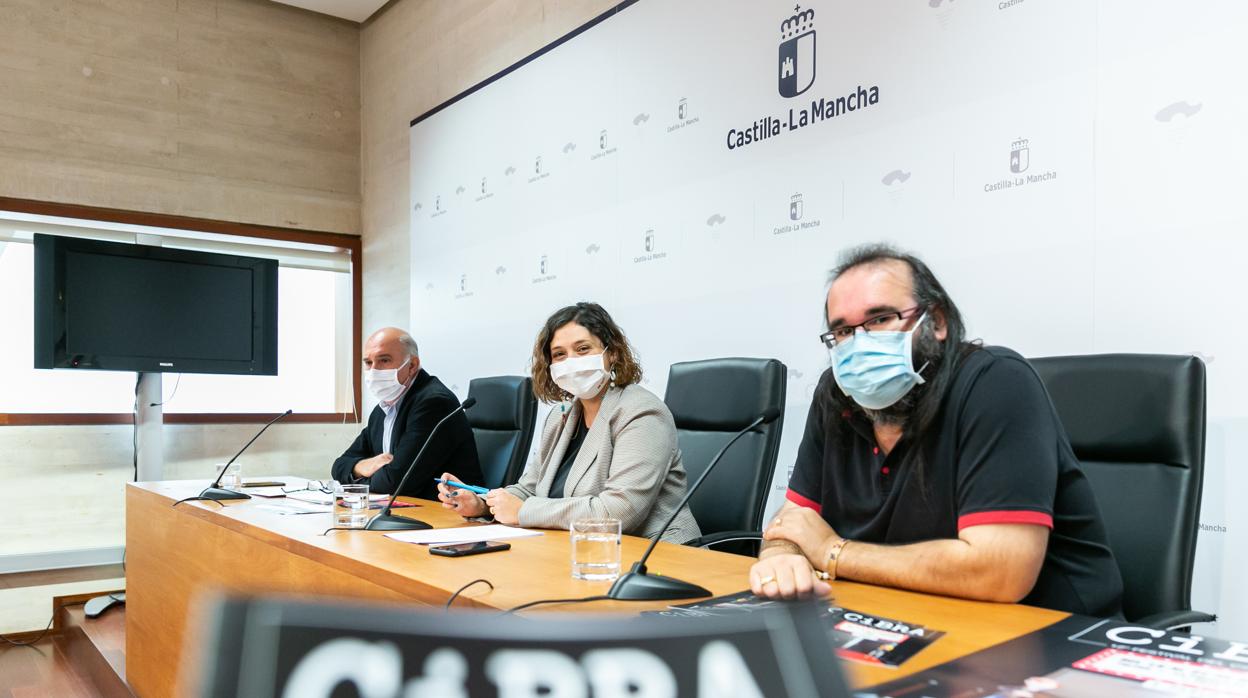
column 981, row 518
column 803, row 501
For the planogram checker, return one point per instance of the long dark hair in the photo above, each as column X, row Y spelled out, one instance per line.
column 932, row 297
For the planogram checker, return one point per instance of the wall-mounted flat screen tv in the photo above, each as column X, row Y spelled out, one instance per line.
column 120, row 307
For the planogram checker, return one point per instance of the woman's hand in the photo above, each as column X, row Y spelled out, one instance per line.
column 505, row 506
column 467, row 503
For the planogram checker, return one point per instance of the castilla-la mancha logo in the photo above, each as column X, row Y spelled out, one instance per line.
column 1019, row 156
column 795, row 72
column 797, row 52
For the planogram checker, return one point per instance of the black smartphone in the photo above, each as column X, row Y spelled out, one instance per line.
column 462, row 549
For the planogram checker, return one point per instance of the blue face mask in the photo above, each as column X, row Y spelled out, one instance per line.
column 877, row 368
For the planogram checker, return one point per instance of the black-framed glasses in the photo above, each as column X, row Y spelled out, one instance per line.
column 884, row 322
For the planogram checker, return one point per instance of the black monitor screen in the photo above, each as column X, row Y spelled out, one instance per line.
column 132, row 307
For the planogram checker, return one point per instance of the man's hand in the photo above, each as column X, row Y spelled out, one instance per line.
column 368, row 466
column 786, row 576
column 466, row 503
column 505, row 506
column 806, row 529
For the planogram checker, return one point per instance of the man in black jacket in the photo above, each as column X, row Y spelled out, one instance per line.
column 410, row 403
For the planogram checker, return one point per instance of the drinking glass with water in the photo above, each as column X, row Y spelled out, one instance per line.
column 595, row 549
column 351, row 506
column 233, row 478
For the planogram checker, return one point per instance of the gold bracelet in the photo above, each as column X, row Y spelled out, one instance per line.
column 834, row 557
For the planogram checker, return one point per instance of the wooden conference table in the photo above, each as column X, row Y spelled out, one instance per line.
column 173, row 555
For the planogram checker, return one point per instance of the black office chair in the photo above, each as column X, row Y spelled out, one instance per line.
column 1137, row 425
column 711, row 401
column 502, row 423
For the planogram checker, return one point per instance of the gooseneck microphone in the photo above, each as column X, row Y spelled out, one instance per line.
column 386, row 521
column 637, row 584
column 215, row 492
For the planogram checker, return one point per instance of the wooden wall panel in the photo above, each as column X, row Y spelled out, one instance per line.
column 238, row 110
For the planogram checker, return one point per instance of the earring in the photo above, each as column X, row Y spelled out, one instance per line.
column 613, row 378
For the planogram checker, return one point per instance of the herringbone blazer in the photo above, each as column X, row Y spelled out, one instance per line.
column 628, row 468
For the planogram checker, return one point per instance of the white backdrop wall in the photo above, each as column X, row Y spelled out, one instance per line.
column 1067, row 167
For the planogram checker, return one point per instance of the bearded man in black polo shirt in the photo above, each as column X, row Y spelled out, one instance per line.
column 931, row 463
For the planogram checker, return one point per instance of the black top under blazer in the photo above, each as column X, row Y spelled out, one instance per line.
column 453, row 449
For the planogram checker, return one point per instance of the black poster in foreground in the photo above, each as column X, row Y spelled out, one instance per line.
column 854, row 635
column 1084, row 657
column 273, row 647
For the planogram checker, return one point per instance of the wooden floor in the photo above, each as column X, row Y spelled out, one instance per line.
column 54, row 667
column 106, row 637
column 42, row 670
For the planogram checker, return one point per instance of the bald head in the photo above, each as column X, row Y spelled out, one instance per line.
column 389, row 348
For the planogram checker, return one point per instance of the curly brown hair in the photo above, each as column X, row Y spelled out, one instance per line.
column 620, row 355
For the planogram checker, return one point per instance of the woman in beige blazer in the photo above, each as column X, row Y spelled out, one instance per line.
column 609, row 449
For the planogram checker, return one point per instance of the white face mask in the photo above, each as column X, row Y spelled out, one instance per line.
column 583, row 376
column 384, row 384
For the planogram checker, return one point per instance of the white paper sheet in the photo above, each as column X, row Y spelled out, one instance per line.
column 314, row 497
column 289, row 507
column 268, row 492
column 463, row 534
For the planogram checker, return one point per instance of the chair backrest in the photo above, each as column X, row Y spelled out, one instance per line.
column 502, row 423
column 711, row 401
column 1137, row 424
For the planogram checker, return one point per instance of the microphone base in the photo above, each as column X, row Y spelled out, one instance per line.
column 218, row 494
column 639, row 586
column 390, row 522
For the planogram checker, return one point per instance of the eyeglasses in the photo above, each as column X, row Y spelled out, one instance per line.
column 885, row 322
column 324, row 487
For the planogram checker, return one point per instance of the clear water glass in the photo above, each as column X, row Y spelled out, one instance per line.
column 351, row 506
column 233, row 478
column 595, row 549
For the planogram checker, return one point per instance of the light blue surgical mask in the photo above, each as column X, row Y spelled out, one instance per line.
column 876, row 369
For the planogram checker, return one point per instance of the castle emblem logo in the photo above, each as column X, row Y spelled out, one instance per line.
column 797, row 52
column 1020, row 156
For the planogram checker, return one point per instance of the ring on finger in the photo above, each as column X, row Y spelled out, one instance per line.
column 766, row 580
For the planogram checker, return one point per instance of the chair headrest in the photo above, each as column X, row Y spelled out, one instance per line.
column 724, row 394
column 500, row 401
column 1129, row 407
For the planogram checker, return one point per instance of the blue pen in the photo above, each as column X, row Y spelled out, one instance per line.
column 462, row 486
